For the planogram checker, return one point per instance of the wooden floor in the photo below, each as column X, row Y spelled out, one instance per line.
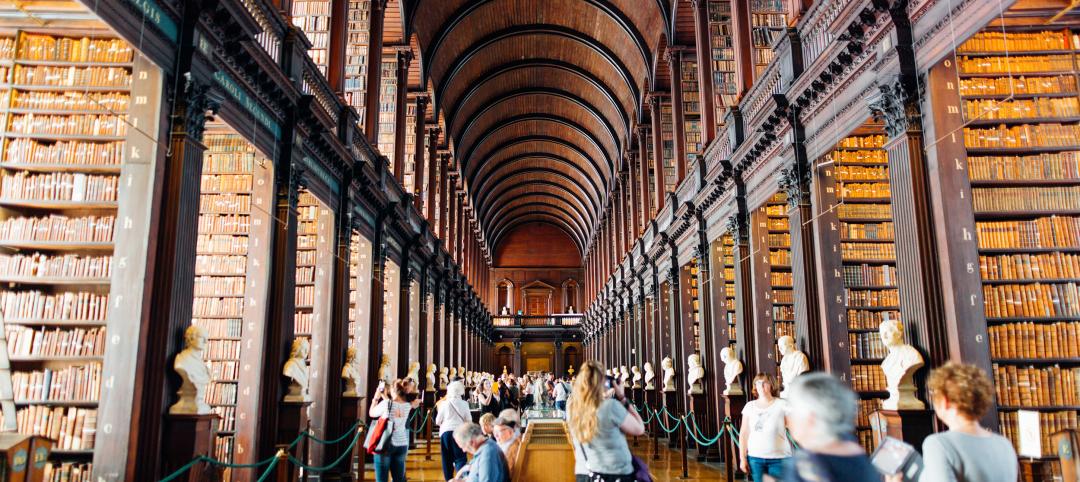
column 667, row 469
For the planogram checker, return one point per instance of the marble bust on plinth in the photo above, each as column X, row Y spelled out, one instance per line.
column 899, row 367
column 668, row 366
column 694, row 374
column 194, row 374
column 650, row 375
column 732, row 369
column 637, row 376
column 296, row 369
column 351, row 373
column 414, row 371
column 384, row 371
column 624, row 375
column 444, row 377
column 793, row 362
column 431, row 369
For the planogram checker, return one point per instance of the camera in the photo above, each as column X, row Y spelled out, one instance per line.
column 610, row 382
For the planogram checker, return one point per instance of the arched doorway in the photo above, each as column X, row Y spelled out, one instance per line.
column 506, row 358
column 570, row 296
column 572, row 358
column 505, row 293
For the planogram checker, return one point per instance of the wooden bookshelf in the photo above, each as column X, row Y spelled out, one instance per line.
column 409, row 174
column 388, row 108
column 780, row 276
column 313, row 18
column 356, row 51
column 1017, row 92
column 691, row 101
column 728, row 256
column 768, row 23
column 695, row 307
column 725, row 86
column 667, row 133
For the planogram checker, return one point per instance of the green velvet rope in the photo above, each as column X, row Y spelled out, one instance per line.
column 346, row 453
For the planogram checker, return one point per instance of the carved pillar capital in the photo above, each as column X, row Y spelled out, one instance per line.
column 198, row 99
column 897, row 105
column 795, row 183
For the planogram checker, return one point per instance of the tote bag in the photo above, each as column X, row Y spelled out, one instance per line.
column 379, row 435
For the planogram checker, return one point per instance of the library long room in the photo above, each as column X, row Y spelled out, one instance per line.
column 299, row 240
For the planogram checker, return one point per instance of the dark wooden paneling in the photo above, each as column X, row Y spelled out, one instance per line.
column 537, row 245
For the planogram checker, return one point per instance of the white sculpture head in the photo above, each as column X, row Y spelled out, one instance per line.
column 787, row 344
column 892, row 333
column 694, row 360
column 195, row 338
column 300, row 349
column 727, row 355
column 667, row 363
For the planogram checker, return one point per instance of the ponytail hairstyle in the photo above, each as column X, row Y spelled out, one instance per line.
column 585, row 399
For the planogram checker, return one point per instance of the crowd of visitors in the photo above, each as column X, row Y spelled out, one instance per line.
column 807, row 436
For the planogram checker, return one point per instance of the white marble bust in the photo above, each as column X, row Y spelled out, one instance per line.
column 899, row 367
column 668, row 365
column 194, row 374
column 793, row 362
column 732, row 369
column 384, row 370
column 636, row 377
column 453, row 372
column 464, row 376
column 351, row 372
column 694, row 374
column 444, row 377
column 650, row 375
column 414, row 371
column 431, row 370
column 624, row 375
column 296, row 369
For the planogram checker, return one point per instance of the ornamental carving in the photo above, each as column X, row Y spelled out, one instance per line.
column 795, row 183
column 734, row 227
column 897, row 105
column 197, row 100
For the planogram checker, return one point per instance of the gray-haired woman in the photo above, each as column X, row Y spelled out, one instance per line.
column 821, row 416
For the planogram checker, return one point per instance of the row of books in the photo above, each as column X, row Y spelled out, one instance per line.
column 998, row 41
column 868, row 231
column 220, row 264
column 76, row 383
column 69, row 342
column 1049, row 423
column 218, row 393
column 1026, row 198
column 1042, row 232
column 221, row 243
column 778, row 224
column 867, row 378
column 858, row 142
column 783, row 296
column 71, row 428
column 222, row 350
column 862, row 173
column 74, row 101
column 71, row 76
column 1027, row 266
column 58, row 186
column 856, row 251
column 1022, row 136
column 776, row 210
column 305, row 242
column 62, row 306
column 867, row 275
column 68, row 125
column 986, row 109
column 864, row 211
column 302, row 323
column 55, row 266
column 58, row 228
column 1031, row 386
column 219, row 328
column 227, row 422
column 305, row 274
column 67, row 153
column 866, row 345
column 224, row 223
column 224, row 370
column 305, row 295
column 783, row 313
column 872, row 298
column 225, row 203
column 1035, row 167
column 1035, row 340
column 784, row 329
column 866, row 407
column 68, row 472
column 226, row 182
column 869, row 320
column 782, row 240
column 780, row 257
column 1015, row 64
column 218, row 307
column 864, row 156
column 780, row 279
column 219, row 286
column 307, row 258
column 858, row 190
column 73, row 49
column 1032, row 300
column 1018, row 85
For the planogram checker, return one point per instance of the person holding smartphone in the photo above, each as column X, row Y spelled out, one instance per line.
column 396, row 405
column 600, row 418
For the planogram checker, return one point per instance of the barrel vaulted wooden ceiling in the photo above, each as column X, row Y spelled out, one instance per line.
column 540, row 99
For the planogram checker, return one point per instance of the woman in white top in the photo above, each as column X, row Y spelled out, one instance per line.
column 763, row 442
column 402, row 399
column 452, row 412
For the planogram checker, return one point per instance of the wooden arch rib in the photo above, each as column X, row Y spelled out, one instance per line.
column 528, row 174
column 517, row 215
column 535, row 143
column 545, row 125
column 510, row 212
column 565, row 207
column 527, row 162
column 529, row 187
column 542, row 217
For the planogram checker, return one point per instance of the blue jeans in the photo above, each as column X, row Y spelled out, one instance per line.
column 560, row 405
column 759, row 467
column 392, row 461
column 453, row 458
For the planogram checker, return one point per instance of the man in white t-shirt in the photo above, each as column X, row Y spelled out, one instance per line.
column 562, row 392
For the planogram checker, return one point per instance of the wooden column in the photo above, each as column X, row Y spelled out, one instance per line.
column 372, row 350
column 374, row 71
column 404, row 318
column 635, row 195
column 761, row 320
column 714, row 297
column 437, row 332
column 339, row 34
column 422, row 335
column 420, row 166
column 678, row 116
column 643, row 167
column 660, row 188
column 796, row 183
column 738, row 226
column 431, row 187
column 444, row 183
column 742, row 43
column 404, row 58
column 832, row 304
column 705, row 71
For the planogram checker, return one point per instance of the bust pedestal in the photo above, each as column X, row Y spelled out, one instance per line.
column 293, row 419
column 352, row 409
column 429, row 404
column 733, row 407
column 911, row 426
column 671, row 402
column 700, row 405
column 191, row 436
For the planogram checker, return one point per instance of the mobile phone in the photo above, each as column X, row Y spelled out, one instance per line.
column 382, row 386
column 609, row 382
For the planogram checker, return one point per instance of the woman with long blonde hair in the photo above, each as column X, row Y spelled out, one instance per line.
column 600, row 418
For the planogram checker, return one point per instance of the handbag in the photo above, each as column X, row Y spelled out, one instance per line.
column 378, row 438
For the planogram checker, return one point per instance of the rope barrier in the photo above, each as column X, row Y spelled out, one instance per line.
column 664, row 427
column 345, row 453
column 696, row 432
column 320, row 441
column 420, row 429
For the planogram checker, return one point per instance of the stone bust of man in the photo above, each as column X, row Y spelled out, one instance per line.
column 296, row 369
column 384, row 370
column 414, row 371
column 351, row 372
column 650, row 375
column 624, row 375
column 732, row 369
column 637, row 376
column 792, row 361
column 668, row 366
column 444, row 377
column 194, row 374
column 899, row 367
column 431, row 370
column 694, row 373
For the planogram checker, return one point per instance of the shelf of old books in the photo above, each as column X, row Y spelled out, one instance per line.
column 725, row 87
column 313, row 18
column 768, row 23
column 391, row 293
column 667, row 133
column 691, row 101
column 728, row 255
column 388, row 107
column 780, row 275
column 651, row 168
column 66, row 97
column 408, row 176
column 230, row 274
column 356, row 52
column 695, row 308
column 1018, row 91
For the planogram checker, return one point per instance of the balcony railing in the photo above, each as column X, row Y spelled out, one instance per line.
column 523, row 321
